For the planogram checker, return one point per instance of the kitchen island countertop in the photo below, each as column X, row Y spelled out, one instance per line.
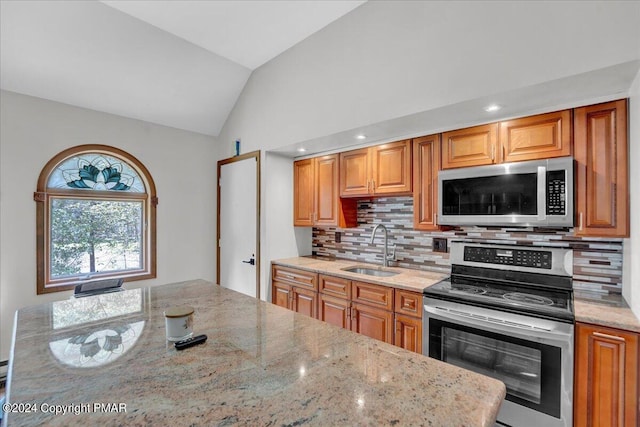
column 261, row 365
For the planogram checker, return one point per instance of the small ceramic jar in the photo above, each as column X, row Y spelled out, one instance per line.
column 179, row 322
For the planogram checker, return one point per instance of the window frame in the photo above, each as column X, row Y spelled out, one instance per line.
column 43, row 197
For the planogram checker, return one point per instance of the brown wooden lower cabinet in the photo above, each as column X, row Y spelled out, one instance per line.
column 372, row 322
column 305, row 302
column 281, row 294
column 295, row 289
column 380, row 312
column 408, row 334
column 606, row 377
column 334, row 310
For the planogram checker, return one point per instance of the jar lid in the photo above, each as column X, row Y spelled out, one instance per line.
column 181, row 311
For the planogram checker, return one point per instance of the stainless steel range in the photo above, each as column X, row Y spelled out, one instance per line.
column 507, row 312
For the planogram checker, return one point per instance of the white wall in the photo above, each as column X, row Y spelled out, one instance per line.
column 33, row 130
column 277, row 208
column 387, row 60
column 631, row 264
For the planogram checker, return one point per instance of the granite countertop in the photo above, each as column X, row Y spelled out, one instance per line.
column 604, row 310
column 409, row 279
column 595, row 308
column 262, row 365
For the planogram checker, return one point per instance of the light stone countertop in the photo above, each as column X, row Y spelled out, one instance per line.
column 605, row 310
column 598, row 309
column 409, row 279
column 262, row 365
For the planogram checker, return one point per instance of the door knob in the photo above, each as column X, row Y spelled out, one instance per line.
column 251, row 261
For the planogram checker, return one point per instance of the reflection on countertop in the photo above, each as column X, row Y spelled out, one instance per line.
column 98, row 347
column 262, row 365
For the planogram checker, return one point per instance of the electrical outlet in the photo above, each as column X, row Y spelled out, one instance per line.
column 338, row 237
column 439, row 244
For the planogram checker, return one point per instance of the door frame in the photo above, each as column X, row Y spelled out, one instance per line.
column 241, row 157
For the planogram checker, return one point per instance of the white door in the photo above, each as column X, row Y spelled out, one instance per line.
column 237, row 209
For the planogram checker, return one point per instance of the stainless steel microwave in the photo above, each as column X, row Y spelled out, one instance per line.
column 532, row 193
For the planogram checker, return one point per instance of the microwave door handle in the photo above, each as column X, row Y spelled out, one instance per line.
column 542, row 193
column 498, row 328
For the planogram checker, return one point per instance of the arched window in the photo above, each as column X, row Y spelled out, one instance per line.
column 96, row 214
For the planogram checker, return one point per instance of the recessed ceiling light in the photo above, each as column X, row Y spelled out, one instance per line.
column 302, row 150
column 491, row 108
column 361, row 136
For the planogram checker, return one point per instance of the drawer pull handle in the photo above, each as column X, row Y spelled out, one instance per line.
column 607, row 336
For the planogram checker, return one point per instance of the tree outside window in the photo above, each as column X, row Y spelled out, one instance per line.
column 96, row 218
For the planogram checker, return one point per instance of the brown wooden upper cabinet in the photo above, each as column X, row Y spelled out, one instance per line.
column 315, row 194
column 473, row 146
column 426, row 164
column 303, row 192
column 602, row 180
column 536, row 137
column 374, row 171
column 529, row 138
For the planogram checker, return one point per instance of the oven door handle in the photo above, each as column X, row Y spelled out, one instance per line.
column 498, row 327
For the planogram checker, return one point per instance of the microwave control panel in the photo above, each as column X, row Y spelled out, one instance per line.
column 516, row 257
column 556, row 193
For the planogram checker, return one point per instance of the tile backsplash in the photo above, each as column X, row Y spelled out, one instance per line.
column 597, row 262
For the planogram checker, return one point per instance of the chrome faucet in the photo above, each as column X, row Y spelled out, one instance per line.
column 385, row 256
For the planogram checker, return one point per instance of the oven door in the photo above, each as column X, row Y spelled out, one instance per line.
column 535, row 362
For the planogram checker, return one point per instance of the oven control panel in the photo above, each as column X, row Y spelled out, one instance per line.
column 515, row 257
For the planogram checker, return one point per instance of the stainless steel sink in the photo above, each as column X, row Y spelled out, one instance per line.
column 370, row 271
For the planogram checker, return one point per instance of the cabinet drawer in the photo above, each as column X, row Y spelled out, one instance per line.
column 335, row 286
column 409, row 303
column 374, row 295
column 295, row 277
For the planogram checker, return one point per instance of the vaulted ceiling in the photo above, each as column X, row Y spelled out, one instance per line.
column 177, row 63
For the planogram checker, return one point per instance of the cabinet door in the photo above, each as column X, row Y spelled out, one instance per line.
column 281, row 294
column 602, row 180
column 372, row 322
column 536, row 137
column 326, row 202
column 334, row 310
column 305, row 302
column 408, row 333
column 473, row 146
column 354, row 173
column 426, row 163
column 391, row 168
column 329, row 208
column 606, row 377
column 303, row 192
